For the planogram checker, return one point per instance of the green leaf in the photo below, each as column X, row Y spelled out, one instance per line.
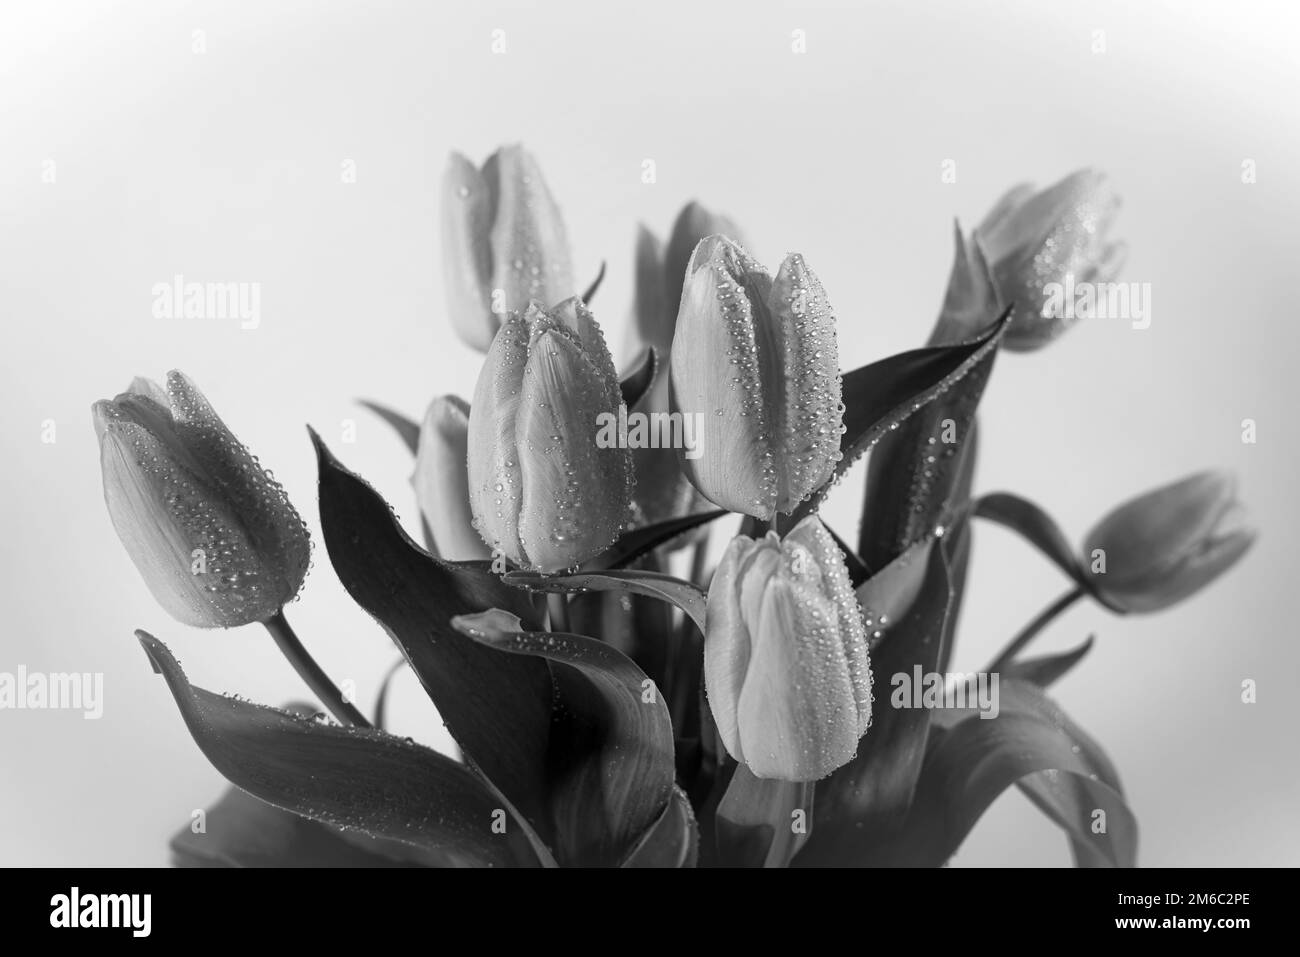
column 242, row 831
column 1038, row 528
column 920, row 473
column 407, row 430
column 358, row 778
column 672, row 841
column 496, row 706
column 1046, row 669
column 381, row 699
column 763, row 822
column 1031, row 743
column 595, row 284
column 610, row 760
column 637, row 382
column 690, row 598
column 880, row 397
column 639, row 542
column 865, row 801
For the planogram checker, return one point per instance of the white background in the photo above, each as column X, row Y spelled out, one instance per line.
column 225, row 167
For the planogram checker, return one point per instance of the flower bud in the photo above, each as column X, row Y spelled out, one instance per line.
column 212, row 533
column 1167, row 544
column 441, row 480
column 503, row 241
column 662, row 491
column 1035, row 239
column 755, row 359
column 786, row 668
column 544, row 492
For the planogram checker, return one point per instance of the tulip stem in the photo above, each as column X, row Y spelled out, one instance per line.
column 1027, row 633
column 700, row 560
column 311, row 673
column 558, row 606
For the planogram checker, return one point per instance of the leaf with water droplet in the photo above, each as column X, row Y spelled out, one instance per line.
column 358, row 778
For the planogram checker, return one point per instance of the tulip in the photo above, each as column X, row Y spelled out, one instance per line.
column 662, row 491
column 543, row 491
column 786, row 669
column 212, row 533
column 1034, row 239
column 1167, row 544
column 503, row 240
column 441, row 480
column 755, row 359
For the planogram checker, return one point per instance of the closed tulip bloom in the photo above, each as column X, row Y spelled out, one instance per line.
column 212, row 533
column 1034, row 239
column 786, row 668
column 662, row 491
column 503, row 241
column 755, row 358
column 543, row 492
column 1169, row 543
column 441, row 480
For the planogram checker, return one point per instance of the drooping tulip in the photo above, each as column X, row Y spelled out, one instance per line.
column 441, row 480
column 545, row 494
column 786, row 668
column 503, row 242
column 755, row 358
column 1033, row 240
column 212, row 533
column 1169, row 543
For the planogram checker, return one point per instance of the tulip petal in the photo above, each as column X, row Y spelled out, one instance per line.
column 441, row 480
column 468, row 208
column 833, row 582
column 693, row 224
column 797, row 712
column 258, row 501
column 495, row 477
column 531, row 247
column 575, row 494
column 806, row 390
column 727, row 646
column 736, row 469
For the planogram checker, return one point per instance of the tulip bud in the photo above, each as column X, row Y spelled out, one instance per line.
column 1167, row 544
column 662, row 491
column 441, row 480
column 212, row 533
column 786, row 668
column 503, row 240
column 1034, row 239
column 543, row 491
column 755, row 359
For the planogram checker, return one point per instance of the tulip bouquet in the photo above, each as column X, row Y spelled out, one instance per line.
column 618, row 699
